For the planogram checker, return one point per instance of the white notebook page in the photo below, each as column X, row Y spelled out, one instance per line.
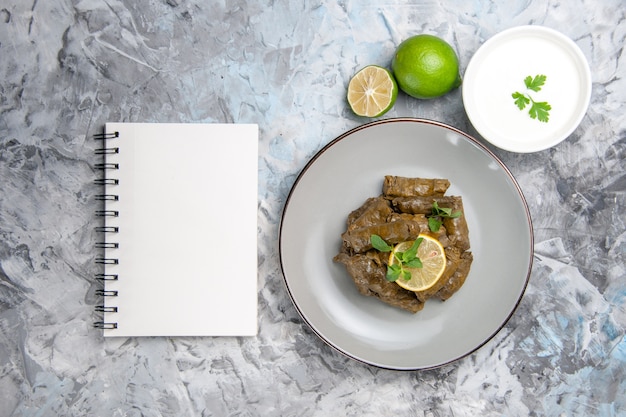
column 187, row 230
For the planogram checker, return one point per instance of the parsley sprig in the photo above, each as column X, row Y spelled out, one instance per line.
column 406, row 259
column 539, row 110
column 435, row 218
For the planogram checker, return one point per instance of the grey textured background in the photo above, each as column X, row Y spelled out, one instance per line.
column 69, row 66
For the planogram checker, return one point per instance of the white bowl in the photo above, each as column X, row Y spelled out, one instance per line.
column 498, row 69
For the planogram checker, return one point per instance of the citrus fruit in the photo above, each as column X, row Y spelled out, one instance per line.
column 426, row 66
column 433, row 258
column 372, row 91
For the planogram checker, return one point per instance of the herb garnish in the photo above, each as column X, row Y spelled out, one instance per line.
column 406, row 259
column 539, row 110
column 438, row 213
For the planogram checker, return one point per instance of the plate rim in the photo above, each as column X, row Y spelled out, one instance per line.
column 555, row 35
column 475, row 142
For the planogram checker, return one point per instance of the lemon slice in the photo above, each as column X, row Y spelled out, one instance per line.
column 372, row 91
column 433, row 259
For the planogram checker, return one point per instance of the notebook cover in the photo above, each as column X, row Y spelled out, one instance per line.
column 187, row 230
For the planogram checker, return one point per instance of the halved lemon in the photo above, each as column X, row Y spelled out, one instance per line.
column 372, row 91
column 433, row 258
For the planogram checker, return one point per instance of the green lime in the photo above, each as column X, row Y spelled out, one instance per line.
column 372, row 91
column 426, row 66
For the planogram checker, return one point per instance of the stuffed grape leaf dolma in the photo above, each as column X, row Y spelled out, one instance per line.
column 453, row 284
column 457, row 227
column 358, row 240
column 414, row 187
column 397, row 215
column 374, row 211
column 420, row 204
column 369, row 278
column 422, row 221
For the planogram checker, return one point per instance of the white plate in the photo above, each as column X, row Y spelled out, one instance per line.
column 351, row 168
column 498, row 69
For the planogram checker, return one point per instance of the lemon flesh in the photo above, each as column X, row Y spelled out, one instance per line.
column 433, row 258
column 372, row 91
column 426, row 66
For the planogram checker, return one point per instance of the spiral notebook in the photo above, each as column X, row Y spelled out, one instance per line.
column 179, row 237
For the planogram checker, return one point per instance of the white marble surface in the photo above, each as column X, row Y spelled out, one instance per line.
column 69, row 66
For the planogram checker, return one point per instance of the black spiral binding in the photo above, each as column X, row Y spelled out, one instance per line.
column 104, row 180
